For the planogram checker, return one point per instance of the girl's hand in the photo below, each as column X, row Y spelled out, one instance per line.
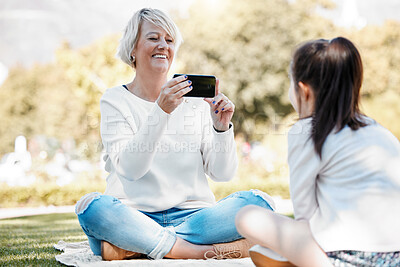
column 221, row 110
column 172, row 91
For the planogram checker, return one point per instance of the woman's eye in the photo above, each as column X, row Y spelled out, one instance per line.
column 170, row 40
column 153, row 38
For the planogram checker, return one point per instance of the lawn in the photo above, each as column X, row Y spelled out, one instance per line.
column 28, row 241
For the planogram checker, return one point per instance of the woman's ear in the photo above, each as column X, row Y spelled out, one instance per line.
column 133, row 52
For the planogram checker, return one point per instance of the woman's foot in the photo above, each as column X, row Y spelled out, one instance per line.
column 109, row 252
column 264, row 257
column 232, row 250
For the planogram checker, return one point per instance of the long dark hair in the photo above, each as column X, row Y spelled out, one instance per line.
column 333, row 69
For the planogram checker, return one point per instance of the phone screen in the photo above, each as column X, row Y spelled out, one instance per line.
column 203, row 85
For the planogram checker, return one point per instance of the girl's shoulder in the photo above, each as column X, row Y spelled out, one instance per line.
column 368, row 121
column 301, row 129
column 380, row 133
column 371, row 135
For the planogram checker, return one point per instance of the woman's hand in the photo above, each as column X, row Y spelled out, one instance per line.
column 172, row 91
column 221, row 110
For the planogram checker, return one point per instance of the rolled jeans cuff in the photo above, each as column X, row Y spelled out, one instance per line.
column 167, row 241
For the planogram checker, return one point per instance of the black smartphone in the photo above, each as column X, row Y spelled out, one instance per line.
column 203, row 85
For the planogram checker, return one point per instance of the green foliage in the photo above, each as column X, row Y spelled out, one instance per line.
column 272, row 186
column 61, row 99
column 93, row 69
column 47, row 194
column 28, row 241
column 39, row 101
column 250, row 176
column 268, row 173
column 384, row 108
column 248, row 46
column 380, row 50
column 254, row 176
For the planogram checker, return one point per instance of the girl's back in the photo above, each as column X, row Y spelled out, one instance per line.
column 344, row 171
column 357, row 185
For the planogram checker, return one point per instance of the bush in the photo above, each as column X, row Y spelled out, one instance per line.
column 46, row 194
column 250, row 176
column 253, row 176
column 267, row 172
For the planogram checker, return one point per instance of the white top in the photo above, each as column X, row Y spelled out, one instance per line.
column 352, row 196
column 156, row 160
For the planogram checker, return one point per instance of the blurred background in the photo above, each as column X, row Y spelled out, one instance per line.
column 57, row 57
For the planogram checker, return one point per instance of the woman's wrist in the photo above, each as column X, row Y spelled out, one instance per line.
column 223, row 129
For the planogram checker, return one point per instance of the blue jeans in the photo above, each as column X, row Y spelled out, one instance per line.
column 104, row 217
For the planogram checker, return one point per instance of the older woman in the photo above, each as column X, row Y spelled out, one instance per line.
column 159, row 148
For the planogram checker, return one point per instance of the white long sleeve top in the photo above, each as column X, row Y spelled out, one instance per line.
column 351, row 197
column 157, row 160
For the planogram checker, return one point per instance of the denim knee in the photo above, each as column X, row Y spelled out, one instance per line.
column 255, row 197
column 85, row 201
column 98, row 216
column 93, row 210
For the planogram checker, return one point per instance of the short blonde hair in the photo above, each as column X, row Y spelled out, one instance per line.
column 131, row 35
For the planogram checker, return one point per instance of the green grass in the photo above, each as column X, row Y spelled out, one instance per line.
column 28, row 241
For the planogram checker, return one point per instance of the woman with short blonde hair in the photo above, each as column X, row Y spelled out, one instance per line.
column 158, row 151
column 131, row 34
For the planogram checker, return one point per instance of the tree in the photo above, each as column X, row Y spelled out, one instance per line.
column 248, row 45
column 91, row 70
column 380, row 49
column 38, row 101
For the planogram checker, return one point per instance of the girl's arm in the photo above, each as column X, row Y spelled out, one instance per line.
column 304, row 165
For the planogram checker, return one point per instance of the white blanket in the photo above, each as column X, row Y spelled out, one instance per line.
column 79, row 254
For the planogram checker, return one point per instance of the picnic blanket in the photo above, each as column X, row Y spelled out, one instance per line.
column 79, row 254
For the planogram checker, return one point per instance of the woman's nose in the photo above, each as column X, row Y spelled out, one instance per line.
column 163, row 44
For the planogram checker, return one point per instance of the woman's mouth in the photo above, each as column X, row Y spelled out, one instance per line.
column 160, row 56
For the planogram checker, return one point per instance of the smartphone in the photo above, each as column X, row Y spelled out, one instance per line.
column 203, row 85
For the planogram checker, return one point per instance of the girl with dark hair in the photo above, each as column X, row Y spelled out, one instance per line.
column 344, row 172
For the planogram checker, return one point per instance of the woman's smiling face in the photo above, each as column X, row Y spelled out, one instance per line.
column 155, row 49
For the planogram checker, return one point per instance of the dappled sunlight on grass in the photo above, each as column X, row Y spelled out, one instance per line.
column 28, row 241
